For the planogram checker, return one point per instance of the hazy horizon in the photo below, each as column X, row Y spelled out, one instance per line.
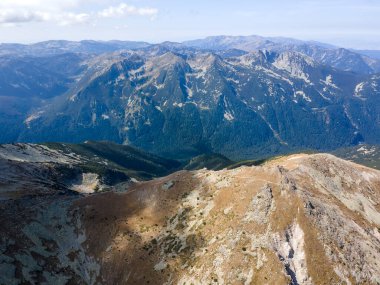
column 346, row 24
column 161, row 42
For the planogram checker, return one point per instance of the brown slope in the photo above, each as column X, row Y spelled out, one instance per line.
column 303, row 219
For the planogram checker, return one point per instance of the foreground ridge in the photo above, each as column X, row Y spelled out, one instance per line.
column 300, row 219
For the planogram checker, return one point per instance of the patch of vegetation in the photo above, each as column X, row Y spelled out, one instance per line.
column 247, row 163
column 210, row 161
column 365, row 154
column 115, row 163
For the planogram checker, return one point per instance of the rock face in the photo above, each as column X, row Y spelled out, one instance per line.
column 301, row 219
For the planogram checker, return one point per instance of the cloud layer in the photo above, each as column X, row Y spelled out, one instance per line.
column 68, row 12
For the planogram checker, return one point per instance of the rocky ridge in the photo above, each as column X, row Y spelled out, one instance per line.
column 300, row 219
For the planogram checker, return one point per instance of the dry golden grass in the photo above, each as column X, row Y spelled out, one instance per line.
column 196, row 230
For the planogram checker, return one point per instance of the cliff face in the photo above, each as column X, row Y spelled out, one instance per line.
column 301, row 219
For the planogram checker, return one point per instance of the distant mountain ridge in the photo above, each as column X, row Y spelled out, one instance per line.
column 181, row 101
column 345, row 59
column 370, row 53
column 362, row 61
column 62, row 46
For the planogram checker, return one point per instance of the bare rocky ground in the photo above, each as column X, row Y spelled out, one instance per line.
column 300, row 219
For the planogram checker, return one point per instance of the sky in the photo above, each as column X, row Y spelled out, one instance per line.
column 346, row 23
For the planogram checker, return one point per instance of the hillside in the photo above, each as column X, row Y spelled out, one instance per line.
column 29, row 170
column 300, row 219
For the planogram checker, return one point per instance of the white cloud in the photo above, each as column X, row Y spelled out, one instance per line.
column 63, row 12
column 124, row 9
column 25, row 16
column 72, row 18
column 14, row 16
column 39, row 4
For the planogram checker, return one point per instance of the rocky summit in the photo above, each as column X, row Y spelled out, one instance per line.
column 299, row 219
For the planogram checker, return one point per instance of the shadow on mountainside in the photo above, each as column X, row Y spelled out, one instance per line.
column 138, row 236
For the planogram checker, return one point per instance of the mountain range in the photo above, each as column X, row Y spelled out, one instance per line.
column 138, row 163
column 242, row 97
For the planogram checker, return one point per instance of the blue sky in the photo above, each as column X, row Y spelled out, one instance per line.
column 348, row 23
